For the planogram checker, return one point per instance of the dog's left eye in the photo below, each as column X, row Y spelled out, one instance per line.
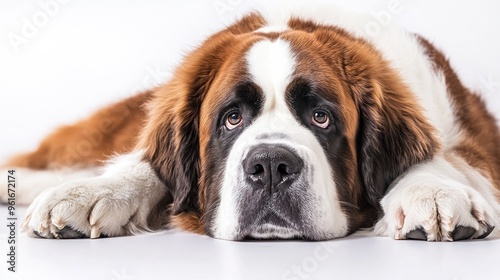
column 320, row 118
column 233, row 120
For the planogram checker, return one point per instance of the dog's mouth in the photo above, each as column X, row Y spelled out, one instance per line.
column 274, row 226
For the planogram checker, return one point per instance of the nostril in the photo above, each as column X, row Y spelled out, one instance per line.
column 258, row 169
column 257, row 174
column 283, row 169
column 288, row 169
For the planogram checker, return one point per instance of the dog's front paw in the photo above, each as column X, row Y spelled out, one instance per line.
column 91, row 207
column 436, row 212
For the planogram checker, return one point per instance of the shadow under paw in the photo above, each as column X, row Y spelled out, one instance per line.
column 459, row 233
column 68, row 233
column 417, row 234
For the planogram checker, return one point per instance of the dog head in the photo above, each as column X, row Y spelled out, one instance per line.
column 292, row 133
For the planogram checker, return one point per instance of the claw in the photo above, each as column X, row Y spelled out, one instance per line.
column 400, row 219
column 489, row 229
column 41, row 228
column 24, row 225
column 95, row 232
column 58, row 224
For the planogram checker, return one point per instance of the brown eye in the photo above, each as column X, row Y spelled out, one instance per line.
column 233, row 120
column 320, row 118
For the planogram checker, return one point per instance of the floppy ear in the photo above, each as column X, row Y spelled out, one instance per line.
column 170, row 138
column 170, row 142
column 393, row 132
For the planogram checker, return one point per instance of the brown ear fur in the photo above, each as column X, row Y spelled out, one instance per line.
column 171, row 136
column 393, row 132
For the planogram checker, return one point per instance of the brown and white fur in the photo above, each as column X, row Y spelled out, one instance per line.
column 287, row 124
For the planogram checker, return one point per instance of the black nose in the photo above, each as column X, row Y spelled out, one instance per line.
column 272, row 166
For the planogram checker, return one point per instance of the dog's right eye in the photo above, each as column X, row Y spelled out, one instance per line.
column 234, row 120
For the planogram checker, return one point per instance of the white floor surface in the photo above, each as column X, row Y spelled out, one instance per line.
column 178, row 255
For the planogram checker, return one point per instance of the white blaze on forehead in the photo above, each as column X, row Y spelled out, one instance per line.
column 272, row 28
column 271, row 64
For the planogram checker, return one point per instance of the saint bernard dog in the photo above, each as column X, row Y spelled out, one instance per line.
column 293, row 124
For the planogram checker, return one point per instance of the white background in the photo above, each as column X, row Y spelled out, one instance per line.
column 60, row 63
column 89, row 53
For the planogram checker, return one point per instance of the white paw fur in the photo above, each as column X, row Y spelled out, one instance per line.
column 114, row 204
column 436, row 199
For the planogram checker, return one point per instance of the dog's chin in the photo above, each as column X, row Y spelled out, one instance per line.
column 271, row 231
column 273, row 226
